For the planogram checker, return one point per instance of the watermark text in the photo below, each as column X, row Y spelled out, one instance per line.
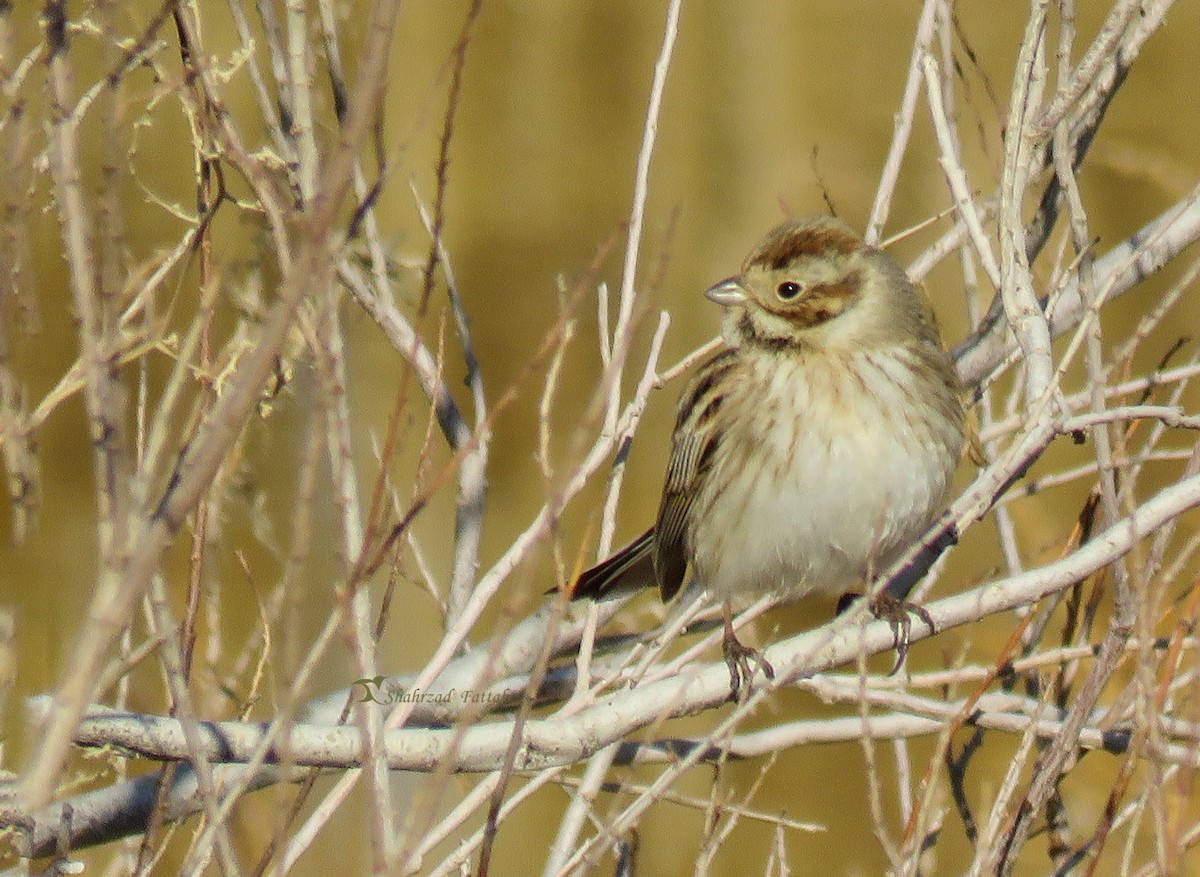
column 384, row 691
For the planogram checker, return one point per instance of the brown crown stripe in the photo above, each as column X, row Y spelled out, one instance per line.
column 792, row 244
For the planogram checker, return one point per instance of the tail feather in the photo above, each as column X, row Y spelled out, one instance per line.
column 629, row 570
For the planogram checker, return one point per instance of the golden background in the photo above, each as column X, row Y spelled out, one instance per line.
column 770, row 108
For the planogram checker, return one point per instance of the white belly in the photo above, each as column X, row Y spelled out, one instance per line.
column 843, row 481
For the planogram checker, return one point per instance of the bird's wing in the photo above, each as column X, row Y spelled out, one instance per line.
column 697, row 432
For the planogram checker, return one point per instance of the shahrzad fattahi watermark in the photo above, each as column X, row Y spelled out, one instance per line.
column 382, row 690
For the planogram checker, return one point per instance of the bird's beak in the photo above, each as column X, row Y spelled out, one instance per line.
column 727, row 293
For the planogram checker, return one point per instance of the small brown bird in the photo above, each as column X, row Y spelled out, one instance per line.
column 816, row 448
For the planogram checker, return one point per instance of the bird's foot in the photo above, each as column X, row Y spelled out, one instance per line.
column 899, row 614
column 738, row 658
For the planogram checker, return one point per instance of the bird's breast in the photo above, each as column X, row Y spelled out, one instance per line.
column 828, row 469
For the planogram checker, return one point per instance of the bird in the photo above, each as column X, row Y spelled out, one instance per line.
column 812, row 450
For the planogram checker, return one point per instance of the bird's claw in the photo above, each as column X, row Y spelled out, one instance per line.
column 898, row 614
column 738, row 658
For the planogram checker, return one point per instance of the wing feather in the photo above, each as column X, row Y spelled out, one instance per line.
column 697, row 435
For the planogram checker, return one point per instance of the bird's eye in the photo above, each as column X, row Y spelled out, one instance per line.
column 788, row 290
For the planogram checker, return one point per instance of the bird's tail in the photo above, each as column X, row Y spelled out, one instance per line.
column 629, row 570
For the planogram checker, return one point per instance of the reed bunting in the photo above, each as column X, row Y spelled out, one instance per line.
column 813, row 450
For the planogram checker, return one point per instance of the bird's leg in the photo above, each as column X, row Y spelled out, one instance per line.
column 898, row 613
column 738, row 658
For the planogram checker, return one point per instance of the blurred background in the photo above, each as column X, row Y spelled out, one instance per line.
column 770, row 110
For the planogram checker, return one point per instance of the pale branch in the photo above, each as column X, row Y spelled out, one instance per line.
column 559, row 740
column 1119, row 270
